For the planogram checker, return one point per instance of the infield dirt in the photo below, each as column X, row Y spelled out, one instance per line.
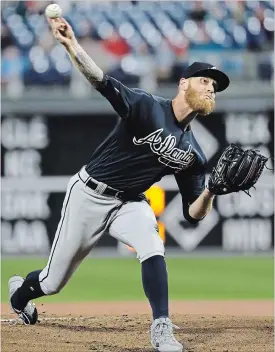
column 225, row 326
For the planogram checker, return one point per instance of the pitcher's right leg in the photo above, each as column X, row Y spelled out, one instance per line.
column 22, row 291
column 80, row 219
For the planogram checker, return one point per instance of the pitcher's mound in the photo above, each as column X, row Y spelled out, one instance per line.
column 120, row 332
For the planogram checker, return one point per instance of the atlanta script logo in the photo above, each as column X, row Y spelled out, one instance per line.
column 169, row 155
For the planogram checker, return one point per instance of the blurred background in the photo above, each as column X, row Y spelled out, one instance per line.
column 139, row 42
column 52, row 120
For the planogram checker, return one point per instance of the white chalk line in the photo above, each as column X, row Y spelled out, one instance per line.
column 41, row 320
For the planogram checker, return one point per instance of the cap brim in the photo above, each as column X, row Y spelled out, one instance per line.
column 220, row 77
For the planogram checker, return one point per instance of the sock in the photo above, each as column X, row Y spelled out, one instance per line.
column 155, row 284
column 29, row 290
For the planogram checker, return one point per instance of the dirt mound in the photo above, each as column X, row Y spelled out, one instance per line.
column 128, row 332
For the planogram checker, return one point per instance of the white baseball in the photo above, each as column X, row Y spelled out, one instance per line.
column 53, row 11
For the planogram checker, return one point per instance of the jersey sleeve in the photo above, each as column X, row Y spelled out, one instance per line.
column 125, row 101
column 191, row 184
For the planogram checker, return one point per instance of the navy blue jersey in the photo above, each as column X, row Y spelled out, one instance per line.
column 147, row 144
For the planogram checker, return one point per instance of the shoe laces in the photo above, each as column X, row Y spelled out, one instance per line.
column 24, row 314
column 163, row 331
column 24, row 317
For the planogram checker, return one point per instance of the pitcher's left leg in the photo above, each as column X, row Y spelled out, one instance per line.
column 135, row 225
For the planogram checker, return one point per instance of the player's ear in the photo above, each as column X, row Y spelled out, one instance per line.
column 183, row 84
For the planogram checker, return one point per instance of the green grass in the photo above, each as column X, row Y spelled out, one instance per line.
column 189, row 278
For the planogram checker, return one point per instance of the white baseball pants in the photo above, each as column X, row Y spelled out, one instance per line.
column 85, row 216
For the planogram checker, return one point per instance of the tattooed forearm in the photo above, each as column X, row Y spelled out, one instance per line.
column 85, row 64
column 88, row 67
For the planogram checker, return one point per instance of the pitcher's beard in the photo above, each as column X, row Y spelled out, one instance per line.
column 202, row 106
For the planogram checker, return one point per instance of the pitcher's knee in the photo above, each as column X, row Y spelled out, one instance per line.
column 150, row 249
column 50, row 288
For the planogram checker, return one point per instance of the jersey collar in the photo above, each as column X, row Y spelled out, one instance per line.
column 180, row 124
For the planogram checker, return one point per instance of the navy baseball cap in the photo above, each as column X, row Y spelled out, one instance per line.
column 202, row 69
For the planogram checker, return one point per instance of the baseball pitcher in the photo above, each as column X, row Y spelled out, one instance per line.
column 153, row 139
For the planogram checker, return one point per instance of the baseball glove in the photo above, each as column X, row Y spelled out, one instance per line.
column 236, row 170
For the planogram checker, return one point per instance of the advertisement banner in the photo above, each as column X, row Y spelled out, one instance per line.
column 39, row 153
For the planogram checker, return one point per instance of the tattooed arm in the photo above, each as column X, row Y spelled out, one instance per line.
column 84, row 63
column 125, row 101
column 63, row 32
